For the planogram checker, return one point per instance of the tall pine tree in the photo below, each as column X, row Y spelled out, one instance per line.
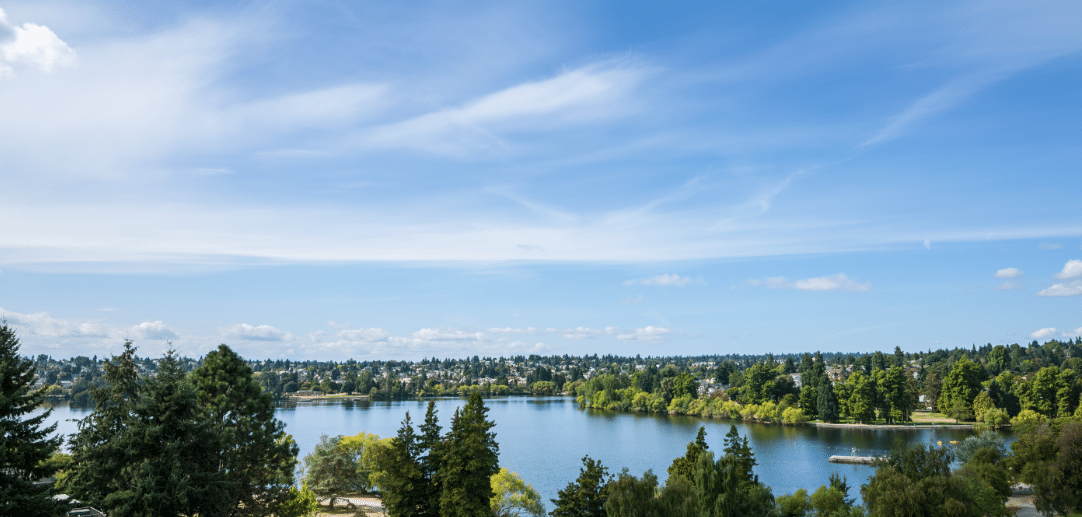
column 100, row 451
column 25, row 444
column 469, row 459
column 404, row 484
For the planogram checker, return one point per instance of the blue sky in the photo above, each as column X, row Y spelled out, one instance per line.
column 330, row 180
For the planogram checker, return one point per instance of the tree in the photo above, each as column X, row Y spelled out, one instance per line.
column 512, row 497
column 98, row 452
column 165, row 438
column 25, row 446
column 827, row 403
column 331, row 470
column 916, row 480
column 430, row 462
column 630, row 496
column 469, row 458
column 251, row 454
column 586, row 496
column 403, row 486
column 366, row 449
column 684, row 465
column 1049, row 456
column 960, row 387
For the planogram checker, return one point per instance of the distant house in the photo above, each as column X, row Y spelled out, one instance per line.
column 796, row 379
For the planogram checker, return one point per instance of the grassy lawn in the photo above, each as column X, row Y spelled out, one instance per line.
column 931, row 418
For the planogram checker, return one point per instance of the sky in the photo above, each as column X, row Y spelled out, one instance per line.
column 335, row 180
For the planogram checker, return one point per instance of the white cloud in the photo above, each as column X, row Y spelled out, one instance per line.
column 1049, row 246
column 153, row 330
column 1072, row 288
column 581, row 333
column 447, row 334
column 255, row 333
column 648, row 334
column 30, row 45
column 1073, row 333
column 1009, row 272
column 636, row 299
column 838, row 282
column 1045, row 332
column 1072, row 269
column 662, row 280
column 528, row 330
column 41, row 325
column 1010, row 286
column 572, row 97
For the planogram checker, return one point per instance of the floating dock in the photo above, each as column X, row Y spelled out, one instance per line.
column 853, row 460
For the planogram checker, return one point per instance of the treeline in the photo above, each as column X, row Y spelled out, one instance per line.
column 994, row 385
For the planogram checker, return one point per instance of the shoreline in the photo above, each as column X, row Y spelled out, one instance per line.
column 891, row 426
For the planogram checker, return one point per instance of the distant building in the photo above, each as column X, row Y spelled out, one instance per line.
column 796, row 379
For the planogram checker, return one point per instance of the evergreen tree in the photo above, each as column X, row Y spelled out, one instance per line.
column 404, row 484
column 251, row 454
column 430, row 463
column 586, row 496
column 99, row 450
column 469, row 459
column 827, row 403
column 685, row 465
column 25, row 445
column 737, row 447
column 166, row 438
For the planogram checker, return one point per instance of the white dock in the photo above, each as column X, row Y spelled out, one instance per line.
column 853, row 460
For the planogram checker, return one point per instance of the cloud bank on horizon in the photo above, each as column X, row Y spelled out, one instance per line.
column 628, row 147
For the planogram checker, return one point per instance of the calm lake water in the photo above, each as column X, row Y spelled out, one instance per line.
column 544, row 439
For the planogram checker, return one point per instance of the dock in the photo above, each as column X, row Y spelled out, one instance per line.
column 853, row 460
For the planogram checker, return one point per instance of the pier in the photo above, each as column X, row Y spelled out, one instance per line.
column 854, row 460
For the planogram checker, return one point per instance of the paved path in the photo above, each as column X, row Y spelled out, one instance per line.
column 370, row 503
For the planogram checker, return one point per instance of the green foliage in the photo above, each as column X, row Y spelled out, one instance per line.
column 1049, row 457
column 300, row 502
column 629, row 496
column 796, row 504
column 253, row 456
column 468, row 460
column 916, row 480
column 366, row 449
column 331, row 470
column 1027, row 419
column 586, row 496
column 404, row 483
column 25, row 447
column 684, row 465
column 827, row 402
column 960, row 387
column 205, row 443
column 988, row 439
column 512, row 497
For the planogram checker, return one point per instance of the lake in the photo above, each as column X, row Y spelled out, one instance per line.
column 543, row 439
